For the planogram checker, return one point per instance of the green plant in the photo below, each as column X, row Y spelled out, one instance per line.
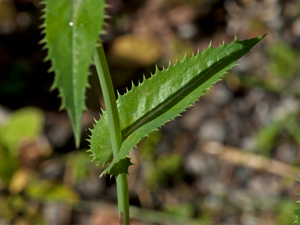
column 22, row 190
column 296, row 212
column 72, row 31
column 297, row 215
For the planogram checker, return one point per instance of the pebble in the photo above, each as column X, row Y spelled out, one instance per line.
column 212, row 130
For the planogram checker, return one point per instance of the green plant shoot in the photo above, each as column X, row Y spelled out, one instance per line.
column 161, row 98
column 72, row 29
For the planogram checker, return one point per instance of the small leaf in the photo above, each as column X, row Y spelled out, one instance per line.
column 297, row 215
column 121, row 167
column 27, row 122
column 49, row 191
column 266, row 137
column 164, row 96
column 72, row 29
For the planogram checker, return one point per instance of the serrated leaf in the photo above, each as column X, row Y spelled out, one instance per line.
column 164, row 96
column 297, row 215
column 72, row 29
column 121, row 167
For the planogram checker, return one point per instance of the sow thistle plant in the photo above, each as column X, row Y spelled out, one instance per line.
column 72, row 30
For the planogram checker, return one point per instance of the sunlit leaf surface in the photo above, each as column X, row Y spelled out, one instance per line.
column 162, row 97
column 72, row 29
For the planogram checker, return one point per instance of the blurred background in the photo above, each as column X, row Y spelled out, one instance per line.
column 233, row 158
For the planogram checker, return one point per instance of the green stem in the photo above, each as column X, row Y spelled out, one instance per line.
column 114, row 129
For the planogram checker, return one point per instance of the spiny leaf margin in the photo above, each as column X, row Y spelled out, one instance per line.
column 162, row 97
column 71, row 30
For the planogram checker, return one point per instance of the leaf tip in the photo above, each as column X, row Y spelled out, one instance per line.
column 42, row 41
column 107, row 6
column 262, row 37
column 77, row 142
column 209, row 46
column 50, row 70
column 42, row 26
column 43, row 2
column 144, row 78
column 184, row 57
column 102, row 174
column 132, row 84
column 156, row 69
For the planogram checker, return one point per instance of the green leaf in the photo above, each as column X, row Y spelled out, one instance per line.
column 267, row 136
column 121, row 167
column 293, row 128
column 297, row 215
column 48, row 191
column 72, row 29
column 164, row 96
column 24, row 123
column 8, row 166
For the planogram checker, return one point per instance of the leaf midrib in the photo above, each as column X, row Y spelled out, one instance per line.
column 74, row 78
